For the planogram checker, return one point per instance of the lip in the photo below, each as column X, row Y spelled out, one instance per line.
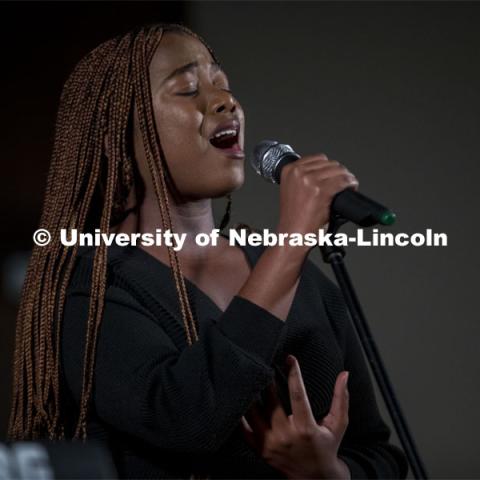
column 235, row 151
column 228, row 124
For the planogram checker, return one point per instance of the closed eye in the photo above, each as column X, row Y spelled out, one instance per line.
column 191, row 93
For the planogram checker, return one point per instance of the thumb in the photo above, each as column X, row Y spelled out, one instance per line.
column 248, row 433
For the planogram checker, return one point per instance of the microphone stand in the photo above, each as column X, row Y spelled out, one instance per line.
column 334, row 256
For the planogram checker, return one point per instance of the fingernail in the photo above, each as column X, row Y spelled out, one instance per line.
column 290, row 360
column 345, row 380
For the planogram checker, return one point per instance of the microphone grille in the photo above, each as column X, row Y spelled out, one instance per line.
column 266, row 156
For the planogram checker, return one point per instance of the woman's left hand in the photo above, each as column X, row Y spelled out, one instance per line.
column 296, row 444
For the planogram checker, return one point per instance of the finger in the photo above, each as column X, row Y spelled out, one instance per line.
column 312, row 165
column 277, row 416
column 248, row 433
column 301, row 410
column 245, row 425
column 324, row 173
column 318, row 158
column 339, row 175
column 327, row 171
column 337, row 184
column 337, row 418
column 256, row 420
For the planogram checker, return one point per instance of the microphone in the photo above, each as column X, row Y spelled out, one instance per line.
column 269, row 157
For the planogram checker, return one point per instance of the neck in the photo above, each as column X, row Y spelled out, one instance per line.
column 188, row 217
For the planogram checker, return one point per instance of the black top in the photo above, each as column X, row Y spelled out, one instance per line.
column 167, row 410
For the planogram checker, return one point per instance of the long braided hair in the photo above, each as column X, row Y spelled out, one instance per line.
column 96, row 104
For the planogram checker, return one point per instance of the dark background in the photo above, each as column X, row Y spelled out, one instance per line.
column 389, row 89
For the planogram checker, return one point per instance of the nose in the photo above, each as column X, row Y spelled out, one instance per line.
column 223, row 102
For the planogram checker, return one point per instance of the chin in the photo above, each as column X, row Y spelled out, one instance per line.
column 237, row 180
column 229, row 185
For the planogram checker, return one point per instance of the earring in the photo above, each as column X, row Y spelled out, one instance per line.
column 226, row 216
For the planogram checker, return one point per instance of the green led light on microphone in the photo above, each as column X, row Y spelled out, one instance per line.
column 388, row 218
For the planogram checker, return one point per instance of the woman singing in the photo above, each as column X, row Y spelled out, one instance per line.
column 220, row 361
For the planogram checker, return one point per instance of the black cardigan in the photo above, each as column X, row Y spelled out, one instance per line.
column 167, row 410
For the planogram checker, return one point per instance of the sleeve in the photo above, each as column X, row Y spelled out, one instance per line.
column 365, row 447
column 184, row 401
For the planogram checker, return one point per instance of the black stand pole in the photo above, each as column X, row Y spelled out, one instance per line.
column 334, row 256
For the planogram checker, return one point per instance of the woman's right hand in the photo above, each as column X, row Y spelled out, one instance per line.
column 307, row 187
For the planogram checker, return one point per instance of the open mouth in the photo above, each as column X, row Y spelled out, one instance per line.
column 225, row 139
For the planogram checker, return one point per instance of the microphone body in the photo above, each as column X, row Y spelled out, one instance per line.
column 270, row 157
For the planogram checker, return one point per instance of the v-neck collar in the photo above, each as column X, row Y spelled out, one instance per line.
column 153, row 270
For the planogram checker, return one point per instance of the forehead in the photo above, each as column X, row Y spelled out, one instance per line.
column 175, row 50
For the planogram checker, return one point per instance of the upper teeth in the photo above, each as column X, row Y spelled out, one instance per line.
column 225, row 132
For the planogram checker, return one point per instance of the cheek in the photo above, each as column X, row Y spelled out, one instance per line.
column 195, row 170
column 178, row 127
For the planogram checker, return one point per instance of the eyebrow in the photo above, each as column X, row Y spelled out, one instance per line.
column 188, row 67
